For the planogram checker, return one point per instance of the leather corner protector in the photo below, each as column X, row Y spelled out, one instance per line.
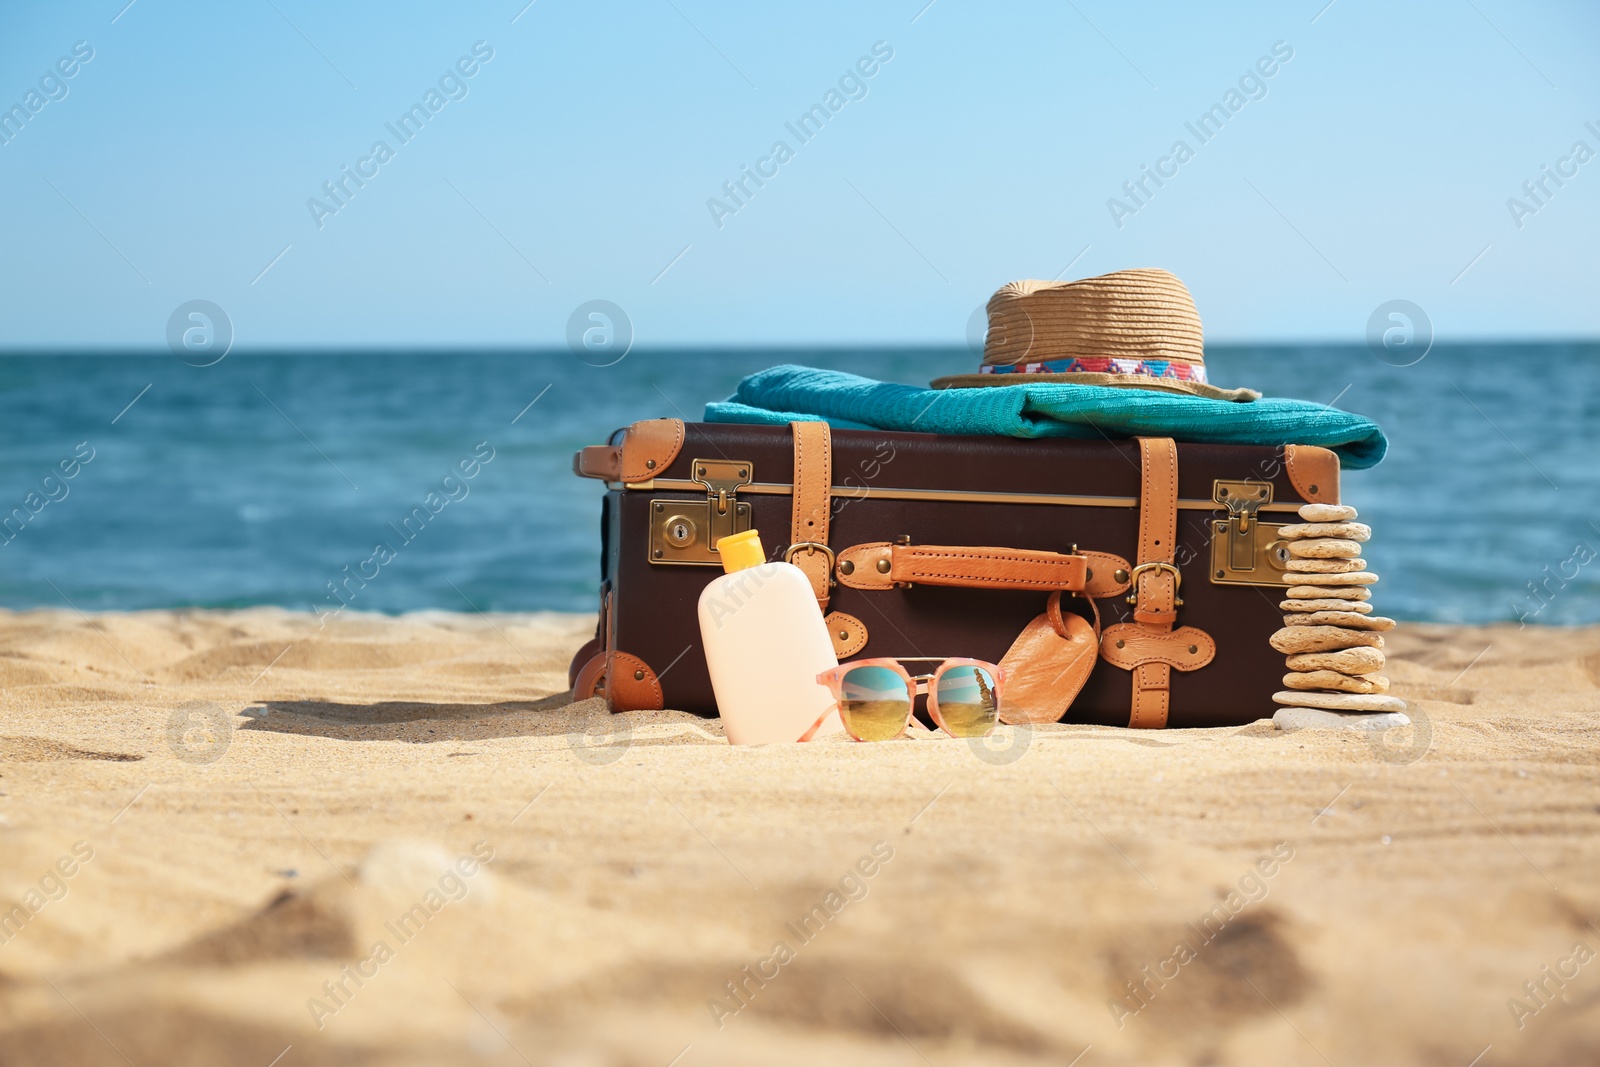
column 591, row 648
column 1128, row 645
column 649, row 447
column 848, row 633
column 862, row 570
column 1314, row 472
column 591, row 678
column 1103, row 570
column 631, row 685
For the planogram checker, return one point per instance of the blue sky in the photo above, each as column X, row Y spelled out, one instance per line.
column 580, row 160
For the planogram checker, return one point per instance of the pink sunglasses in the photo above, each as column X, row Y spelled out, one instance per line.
column 876, row 698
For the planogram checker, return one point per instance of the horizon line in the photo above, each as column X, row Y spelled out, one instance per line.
column 499, row 348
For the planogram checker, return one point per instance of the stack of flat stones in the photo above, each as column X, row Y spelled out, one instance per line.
column 1333, row 641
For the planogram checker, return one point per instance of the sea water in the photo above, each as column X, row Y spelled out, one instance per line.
column 442, row 480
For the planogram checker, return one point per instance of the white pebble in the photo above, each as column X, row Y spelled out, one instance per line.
column 1327, row 513
column 1317, row 719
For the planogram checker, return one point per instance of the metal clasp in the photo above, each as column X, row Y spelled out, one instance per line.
column 723, row 479
column 1245, row 551
column 1242, row 499
column 1177, row 580
column 812, row 546
column 686, row 532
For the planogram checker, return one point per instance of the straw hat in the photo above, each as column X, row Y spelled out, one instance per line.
column 1133, row 328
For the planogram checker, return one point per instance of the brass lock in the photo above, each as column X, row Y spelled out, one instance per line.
column 680, row 531
column 1244, row 550
column 685, row 532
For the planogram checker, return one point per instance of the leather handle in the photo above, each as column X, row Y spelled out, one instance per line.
column 883, row 565
column 598, row 461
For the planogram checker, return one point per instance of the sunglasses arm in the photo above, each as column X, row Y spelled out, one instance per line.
column 812, row 732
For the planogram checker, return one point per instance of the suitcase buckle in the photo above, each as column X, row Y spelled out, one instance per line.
column 1177, row 580
column 812, row 546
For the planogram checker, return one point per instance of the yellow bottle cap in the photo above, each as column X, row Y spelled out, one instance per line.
column 741, row 551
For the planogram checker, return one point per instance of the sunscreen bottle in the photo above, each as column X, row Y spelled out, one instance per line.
column 765, row 644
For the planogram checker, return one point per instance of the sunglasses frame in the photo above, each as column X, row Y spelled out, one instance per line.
column 916, row 685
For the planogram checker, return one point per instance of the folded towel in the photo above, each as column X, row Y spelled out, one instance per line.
column 780, row 395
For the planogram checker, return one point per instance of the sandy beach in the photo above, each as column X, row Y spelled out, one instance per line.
column 234, row 836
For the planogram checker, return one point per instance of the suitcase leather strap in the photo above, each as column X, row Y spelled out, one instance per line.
column 1052, row 612
column 884, row 565
column 1156, row 575
column 808, row 523
column 808, row 530
column 1149, row 647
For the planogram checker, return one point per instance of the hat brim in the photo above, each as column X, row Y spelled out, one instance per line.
column 1122, row 381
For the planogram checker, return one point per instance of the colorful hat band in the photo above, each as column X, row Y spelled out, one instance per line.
column 1150, row 368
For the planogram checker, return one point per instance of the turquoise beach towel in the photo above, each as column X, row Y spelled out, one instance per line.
column 781, row 395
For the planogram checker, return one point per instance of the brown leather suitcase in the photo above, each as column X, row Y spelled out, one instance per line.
column 924, row 545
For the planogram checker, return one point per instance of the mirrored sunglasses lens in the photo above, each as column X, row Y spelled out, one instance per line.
column 967, row 701
column 874, row 702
